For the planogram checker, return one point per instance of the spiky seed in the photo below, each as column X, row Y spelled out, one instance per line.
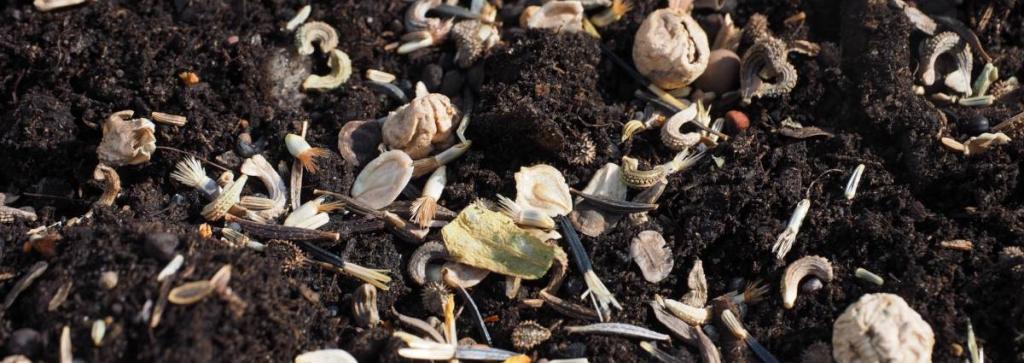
column 529, row 334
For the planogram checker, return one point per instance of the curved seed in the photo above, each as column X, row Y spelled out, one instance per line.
column 635, row 178
column 364, row 306
column 426, row 253
column 316, row 31
column 817, row 266
column 227, row 198
column 691, row 315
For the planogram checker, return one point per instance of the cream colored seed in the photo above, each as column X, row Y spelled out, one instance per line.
column 169, row 119
column 379, row 76
column 47, row 5
column 869, row 276
column 958, row 244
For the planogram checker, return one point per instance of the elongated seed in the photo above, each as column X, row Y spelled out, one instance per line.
column 851, row 186
column 615, row 206
column 626, row 330
column 33, row 273
column 869, row 276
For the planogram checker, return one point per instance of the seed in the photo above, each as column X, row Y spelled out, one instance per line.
column 626, row 330
column 325, row 356
column 433, row 296
column 126, row 141
column 59, row 297
column 868, row 276
column 811, row 285
column 190, row 293
column 189, row 78
column 977, row 125
column 851, row 185
column 364, row 306
column 529, row 334
column 65, row 345
column 341, row 70
column 382, row 180
column 881, row 328
column 796, row 271
column 219, row 207
column 111, row 184
column 958, row 244
column 169, row 119
column 47, row 5
column 257, row 166
column 171, row 268
column 737, row 120
column 558, row 16
column 299, row 18
column 379, row 76
column 108, row 280
column 459, row 275
column 99, row 329
column 650, row 251
column 675, row 66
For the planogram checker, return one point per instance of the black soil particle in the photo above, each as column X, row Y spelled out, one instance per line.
column 537, row 97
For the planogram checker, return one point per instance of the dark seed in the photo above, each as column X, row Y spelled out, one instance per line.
column 25, row 342
column 432, row 76
column 161, row 245
column 977, row 125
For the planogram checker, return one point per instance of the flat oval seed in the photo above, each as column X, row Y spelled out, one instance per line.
column 190, row 293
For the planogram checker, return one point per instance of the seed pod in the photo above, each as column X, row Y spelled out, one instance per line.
column 671, row 49
column 881, row 328
column 126, row 142
column 796, row 271
column 529, row 334
column 421, row 125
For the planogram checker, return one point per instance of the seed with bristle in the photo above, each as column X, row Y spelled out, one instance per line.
column 300, row 149
column 433, row 296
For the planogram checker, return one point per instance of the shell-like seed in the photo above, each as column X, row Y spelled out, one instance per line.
column 653, row 256
column 383, row 179
column 529, row 334
column 421, row 125
column 227, row 198
column 559, row 16
column 190, row 293
column 364, row 306
column 881, row 328
column 422, row 257
column 817, row 266
column 316, row 31
column 459, row 275
column 358, row 140
column 126, row 142
column 543, row 187
column 671, row 49
column 341, row 70
column 325, row 356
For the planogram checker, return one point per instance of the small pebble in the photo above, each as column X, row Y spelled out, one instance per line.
column 24, row 341
column 161, row 245
column 811, row 285
column 432, row 77
column 108, row 280
column 737, row 120
column 977, row 125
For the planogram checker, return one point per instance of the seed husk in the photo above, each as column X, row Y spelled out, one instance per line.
column 190, row 293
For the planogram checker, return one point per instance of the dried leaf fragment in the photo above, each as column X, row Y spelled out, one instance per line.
column 652, row 255
column 490, row 240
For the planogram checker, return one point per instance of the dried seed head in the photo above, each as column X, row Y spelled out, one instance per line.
column 881, row 328
column 316, row 31
column 126, row 142
column 529, row 334
column 543, row 187
column 796, row 271
column 525, row 217
column 383, row 179
column 421, row 125
column 558, row 16
column 651, row 253
column 670, row 49
column 433, row 296
column 190, row 293
column 364, row 306
column 341, row 70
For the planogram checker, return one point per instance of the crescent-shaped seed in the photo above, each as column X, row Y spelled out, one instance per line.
column 817, row 266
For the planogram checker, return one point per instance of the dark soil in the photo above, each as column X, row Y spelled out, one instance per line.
column 538, row 97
